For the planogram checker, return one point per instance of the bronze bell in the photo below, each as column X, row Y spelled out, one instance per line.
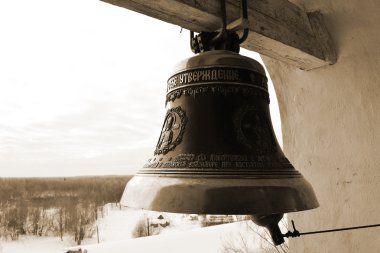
column 217, row 152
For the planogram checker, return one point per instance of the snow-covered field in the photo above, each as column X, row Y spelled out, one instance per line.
column 208, row 239
column 116, row 224
column 115, row 233
column 36, row 244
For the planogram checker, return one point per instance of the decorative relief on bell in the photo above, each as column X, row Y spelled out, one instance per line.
column 254, row 131
column 172, row 130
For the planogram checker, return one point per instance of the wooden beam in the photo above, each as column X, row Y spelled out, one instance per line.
column 278, row 28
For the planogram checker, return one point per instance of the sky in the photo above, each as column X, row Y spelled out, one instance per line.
column 82, row 87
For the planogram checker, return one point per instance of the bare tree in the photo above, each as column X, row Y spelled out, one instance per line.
column 141, row 229
column 145, row 228
column 34, row 217
column 61, row 221
column 250, row 238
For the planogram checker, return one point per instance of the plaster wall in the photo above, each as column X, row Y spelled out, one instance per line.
column 331, row 129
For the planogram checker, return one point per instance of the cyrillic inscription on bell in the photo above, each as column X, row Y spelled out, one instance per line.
column 217, row 152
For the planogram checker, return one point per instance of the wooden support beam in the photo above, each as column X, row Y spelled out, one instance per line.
column 278, row 28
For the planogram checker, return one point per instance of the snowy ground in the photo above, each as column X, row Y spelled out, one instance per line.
column 116, row 224
column 119, row 222
column 183, row 235
column 116, row 232
column 36, row 244
column 208, row 239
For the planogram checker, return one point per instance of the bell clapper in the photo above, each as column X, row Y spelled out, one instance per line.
column 271, row 223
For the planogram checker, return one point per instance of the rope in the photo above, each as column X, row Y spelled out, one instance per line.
column 296, row 233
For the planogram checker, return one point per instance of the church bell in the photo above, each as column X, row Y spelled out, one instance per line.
column 217, row 152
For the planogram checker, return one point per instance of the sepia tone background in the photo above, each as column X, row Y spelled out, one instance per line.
column 329, row 115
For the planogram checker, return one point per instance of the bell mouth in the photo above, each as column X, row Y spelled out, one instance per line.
column 205, row 195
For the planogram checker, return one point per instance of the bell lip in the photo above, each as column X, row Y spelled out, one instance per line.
column 218, row 58
column 219, row 196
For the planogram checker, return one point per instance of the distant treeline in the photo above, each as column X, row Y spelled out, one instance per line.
column 50, row 191
column 55, row 206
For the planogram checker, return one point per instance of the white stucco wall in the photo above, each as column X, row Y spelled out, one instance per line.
column 331, row 129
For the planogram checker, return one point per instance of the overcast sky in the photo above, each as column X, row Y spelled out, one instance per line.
column 82, row 86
